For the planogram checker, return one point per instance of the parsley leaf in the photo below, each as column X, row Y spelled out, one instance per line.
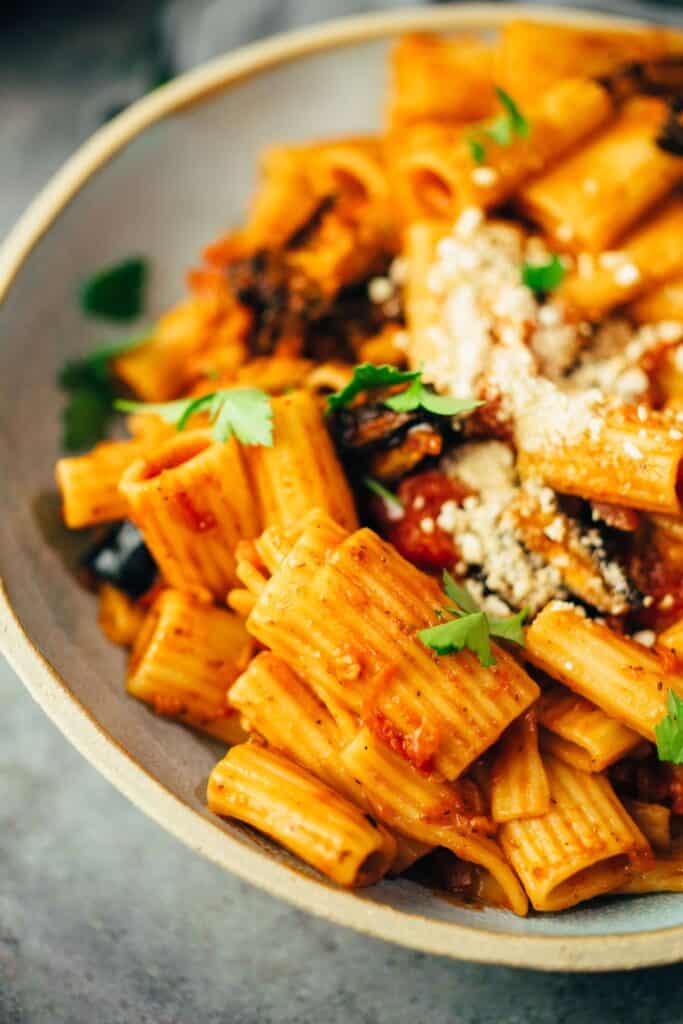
column 244, row 412
column 518, row 123
column 89, row 385
column 117, row 291
column 472, row 628
column 544, row 277
column 510, row 629
column 669, row 732
column 368, row 377
column 382, row 492
column 503, row 130
column 471, row 631
column 477, row 149
column 459, row 595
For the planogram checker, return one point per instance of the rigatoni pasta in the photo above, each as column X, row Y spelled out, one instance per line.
column 186, row 656
column 580, row 733
column 367, row 592
column 301, row 471
column 266, row 790
column 192, row 500
column 633, row 683
column 583, row 847
column 519, row 784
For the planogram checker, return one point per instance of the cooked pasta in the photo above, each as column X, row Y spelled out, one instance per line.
column 583, row 847
column 399, row 512
column 519, row 784
column 301, row 471
column 633, row 682
column 264, row 789
column 185, row 658
column 580, row 733
column 192, row 500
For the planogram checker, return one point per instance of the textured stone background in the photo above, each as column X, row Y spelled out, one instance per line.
column 105, row 919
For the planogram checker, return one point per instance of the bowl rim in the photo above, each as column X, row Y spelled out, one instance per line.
column 50, row 690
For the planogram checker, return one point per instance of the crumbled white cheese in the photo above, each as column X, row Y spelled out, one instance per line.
column 646, row 637
column 556, row 530
column 380, row 289
column 398, row 270
column 626, row 275
column 482, row 466
column 633, row 450
column 488, row 542
column 485, row 177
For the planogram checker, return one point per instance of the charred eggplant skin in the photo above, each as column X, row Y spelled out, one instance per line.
column 123, row 559
column 364, row 433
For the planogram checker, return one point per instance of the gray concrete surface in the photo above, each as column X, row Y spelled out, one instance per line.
column 105, row 919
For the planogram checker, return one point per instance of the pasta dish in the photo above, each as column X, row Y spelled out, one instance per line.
column 392, row 503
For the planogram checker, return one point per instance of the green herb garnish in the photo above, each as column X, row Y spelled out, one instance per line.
column 472, row 629
column 89, row 385
column 244, row 412
column 368, row 377
column 477, row 149
column 669, row 732
column 382, row 492
column 115, row 292
column 508, row 126
column 544, row 277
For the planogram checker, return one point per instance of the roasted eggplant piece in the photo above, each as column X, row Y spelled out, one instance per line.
column 282, row 301
column 123, row 559
column 661, row 77
column 670, row 138
column 372, row 439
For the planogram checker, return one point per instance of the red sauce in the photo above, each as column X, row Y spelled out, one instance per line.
column 193, row 517
column 422, row 497
column 662, row 582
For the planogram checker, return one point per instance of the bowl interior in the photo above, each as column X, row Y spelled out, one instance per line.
column 170, row 190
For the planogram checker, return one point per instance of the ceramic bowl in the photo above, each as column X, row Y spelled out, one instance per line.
column 164, row 178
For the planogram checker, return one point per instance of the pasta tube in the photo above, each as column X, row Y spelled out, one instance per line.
column 581, row 734
column 89, row 484
column 279, row 706
column 435, row 79
column 192, row 501
column 652, row 253
column 625, row 461
column 301, row 471
column 275, row 796
column 654, row 821
column 119, row 618
column 437, row 176
column 632, row 682
column 581, row 848
column 535, row 54
column 186, row 656
column 426, row 810
column 662, row 303
column 672, row 639
column 350, row 629
column 519, row 786
column 590, row 199
column 160, row 369
column 664, row 875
